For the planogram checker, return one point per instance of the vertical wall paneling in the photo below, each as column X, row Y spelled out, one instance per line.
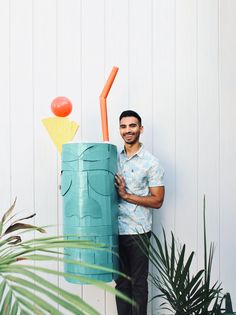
column 208, row 127
column 186, row 124
column 110, row 302
column 140, row 64
column 92, row 68
column 5, row 106
column 164, row 104
column 44, row 90
column 69, row 80
column 227, row 144
column 69, row 56
column 92, row 84
column 163, row 113
column 21, row 103
column 21, row 108
column 116, row 54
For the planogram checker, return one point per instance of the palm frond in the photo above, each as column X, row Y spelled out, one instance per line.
column 184, row 292
column 24, row 288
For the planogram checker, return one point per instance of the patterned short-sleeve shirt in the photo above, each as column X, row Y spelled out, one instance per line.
column 140, row 172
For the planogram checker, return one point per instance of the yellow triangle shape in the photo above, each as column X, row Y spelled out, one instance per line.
column 61, row 130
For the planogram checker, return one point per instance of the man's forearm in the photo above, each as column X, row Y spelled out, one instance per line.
column 145, row 201
column 153, row 200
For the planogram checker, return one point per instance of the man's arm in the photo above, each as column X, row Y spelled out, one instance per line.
column 154, row 200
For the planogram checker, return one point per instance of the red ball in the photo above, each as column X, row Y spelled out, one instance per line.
column 61, row 106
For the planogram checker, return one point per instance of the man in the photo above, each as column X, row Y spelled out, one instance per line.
column 140, row 187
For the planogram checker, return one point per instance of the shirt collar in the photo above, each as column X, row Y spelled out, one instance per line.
column 139, row 153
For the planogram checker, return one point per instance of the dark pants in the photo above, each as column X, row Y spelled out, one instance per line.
column 134, row 263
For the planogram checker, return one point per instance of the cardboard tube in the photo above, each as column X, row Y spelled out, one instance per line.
column 103, row 103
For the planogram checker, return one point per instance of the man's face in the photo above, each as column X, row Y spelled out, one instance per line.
column 130, row 129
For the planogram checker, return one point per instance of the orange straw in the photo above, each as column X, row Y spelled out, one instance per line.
column 103, row 103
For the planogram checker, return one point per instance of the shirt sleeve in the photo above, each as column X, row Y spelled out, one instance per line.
column 156, row 176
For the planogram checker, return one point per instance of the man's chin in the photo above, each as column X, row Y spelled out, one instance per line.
column 130, row 141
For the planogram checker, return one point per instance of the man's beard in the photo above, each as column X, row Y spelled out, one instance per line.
column 132, row 140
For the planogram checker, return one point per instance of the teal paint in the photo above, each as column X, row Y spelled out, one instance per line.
column 90, row 205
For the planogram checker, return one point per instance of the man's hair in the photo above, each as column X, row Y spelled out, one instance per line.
column 131, row 113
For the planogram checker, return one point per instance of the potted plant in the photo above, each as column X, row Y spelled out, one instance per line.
column 185, row 293
column 22, row 288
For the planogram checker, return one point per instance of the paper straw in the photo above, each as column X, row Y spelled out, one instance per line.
column 103, row 103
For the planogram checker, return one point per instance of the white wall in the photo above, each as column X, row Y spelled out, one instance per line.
column 177, row 68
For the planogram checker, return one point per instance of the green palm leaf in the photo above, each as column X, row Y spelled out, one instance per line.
column 6, row 303
column 182, row 292
column 46, row 292
column 22, row 290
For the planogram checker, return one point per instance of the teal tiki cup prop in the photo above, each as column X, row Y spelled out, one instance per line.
column 90, row 206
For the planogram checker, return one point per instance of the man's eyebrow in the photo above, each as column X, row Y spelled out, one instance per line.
column 130, row 125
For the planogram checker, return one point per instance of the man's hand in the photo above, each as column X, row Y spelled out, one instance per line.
column 120, row 185
column 153, row 200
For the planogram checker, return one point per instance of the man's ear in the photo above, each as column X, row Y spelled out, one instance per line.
column 141, row 129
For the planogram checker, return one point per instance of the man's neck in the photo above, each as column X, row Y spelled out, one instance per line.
column 131, row 149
